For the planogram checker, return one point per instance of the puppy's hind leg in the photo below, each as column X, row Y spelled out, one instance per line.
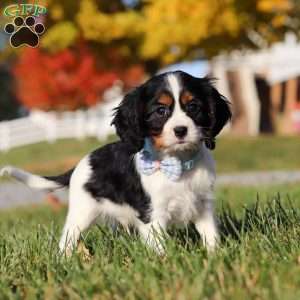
column 82, row 214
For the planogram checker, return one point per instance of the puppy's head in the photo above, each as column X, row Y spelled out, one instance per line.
column 175, row 110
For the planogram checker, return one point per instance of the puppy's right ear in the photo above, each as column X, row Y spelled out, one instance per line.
column 128, row 119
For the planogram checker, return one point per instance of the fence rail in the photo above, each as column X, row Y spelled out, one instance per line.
column 50, row 126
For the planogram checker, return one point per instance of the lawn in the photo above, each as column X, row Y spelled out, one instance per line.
column 258, row 153
column 259, row 256
column 50, row 158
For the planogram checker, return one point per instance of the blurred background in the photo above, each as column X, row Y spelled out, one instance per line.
column 61, row 93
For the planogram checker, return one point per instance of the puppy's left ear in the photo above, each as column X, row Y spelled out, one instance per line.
column 220, row 113
column 128, row 119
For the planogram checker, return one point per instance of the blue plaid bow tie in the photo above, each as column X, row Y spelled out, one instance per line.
column 171, row 166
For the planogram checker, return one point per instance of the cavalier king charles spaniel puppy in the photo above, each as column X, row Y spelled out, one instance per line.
column 161, row 171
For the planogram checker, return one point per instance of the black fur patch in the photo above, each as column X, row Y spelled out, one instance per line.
column 209, row 109
column 114, row 177
column 63, row 179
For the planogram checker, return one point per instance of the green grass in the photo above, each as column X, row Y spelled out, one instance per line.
column 259, row 257
column 257, row 153
column 51, row 158
column 231, row 154
column 237, row 197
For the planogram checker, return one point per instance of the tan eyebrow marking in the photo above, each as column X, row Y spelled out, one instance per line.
column 186, row 97
column 165, row 99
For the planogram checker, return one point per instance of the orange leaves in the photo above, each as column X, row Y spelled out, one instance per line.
column 278, row 8
column 274, row 5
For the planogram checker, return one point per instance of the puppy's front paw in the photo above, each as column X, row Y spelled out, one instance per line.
column 211, row 248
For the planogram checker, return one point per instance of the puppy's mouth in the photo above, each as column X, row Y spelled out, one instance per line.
column 185, row 141
column 182, row 142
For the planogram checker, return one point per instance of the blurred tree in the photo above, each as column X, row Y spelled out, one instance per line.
column 265, row 21
column 66, row 72
column 124, row 33
column 177, row 29
column 159, row 32
column 66, row 80
column 182, row 28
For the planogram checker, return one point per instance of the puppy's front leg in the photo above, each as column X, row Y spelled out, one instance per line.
column 153, row 235
column 206, row 226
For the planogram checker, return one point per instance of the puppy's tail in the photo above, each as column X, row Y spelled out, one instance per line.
column 48, row 183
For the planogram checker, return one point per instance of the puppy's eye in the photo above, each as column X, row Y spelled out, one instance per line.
column 192, row 107
column 163, row 111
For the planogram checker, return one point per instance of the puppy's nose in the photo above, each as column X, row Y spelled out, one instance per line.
column 180, row 131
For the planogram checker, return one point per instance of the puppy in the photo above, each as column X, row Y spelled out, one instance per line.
column 160, row 172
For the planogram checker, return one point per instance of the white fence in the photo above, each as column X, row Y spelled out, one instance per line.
column 49, row 126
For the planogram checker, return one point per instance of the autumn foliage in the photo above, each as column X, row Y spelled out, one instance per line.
column 68, row 79
column 130, row 36
column 167, row 31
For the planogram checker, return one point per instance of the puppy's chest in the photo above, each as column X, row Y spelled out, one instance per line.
column 178, row 200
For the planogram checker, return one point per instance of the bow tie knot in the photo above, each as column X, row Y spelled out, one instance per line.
column 170, row 166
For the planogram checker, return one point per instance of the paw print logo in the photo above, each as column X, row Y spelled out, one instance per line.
column 24, row 32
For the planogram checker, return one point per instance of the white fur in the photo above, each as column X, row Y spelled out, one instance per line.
column 188, row 200
column 175, row 86
column 33, row 181
column 82, row 210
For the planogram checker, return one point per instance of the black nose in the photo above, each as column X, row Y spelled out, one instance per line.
column 180, row 131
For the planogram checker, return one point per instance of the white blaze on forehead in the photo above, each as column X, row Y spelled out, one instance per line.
column 174, row 85
column 177, row 118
